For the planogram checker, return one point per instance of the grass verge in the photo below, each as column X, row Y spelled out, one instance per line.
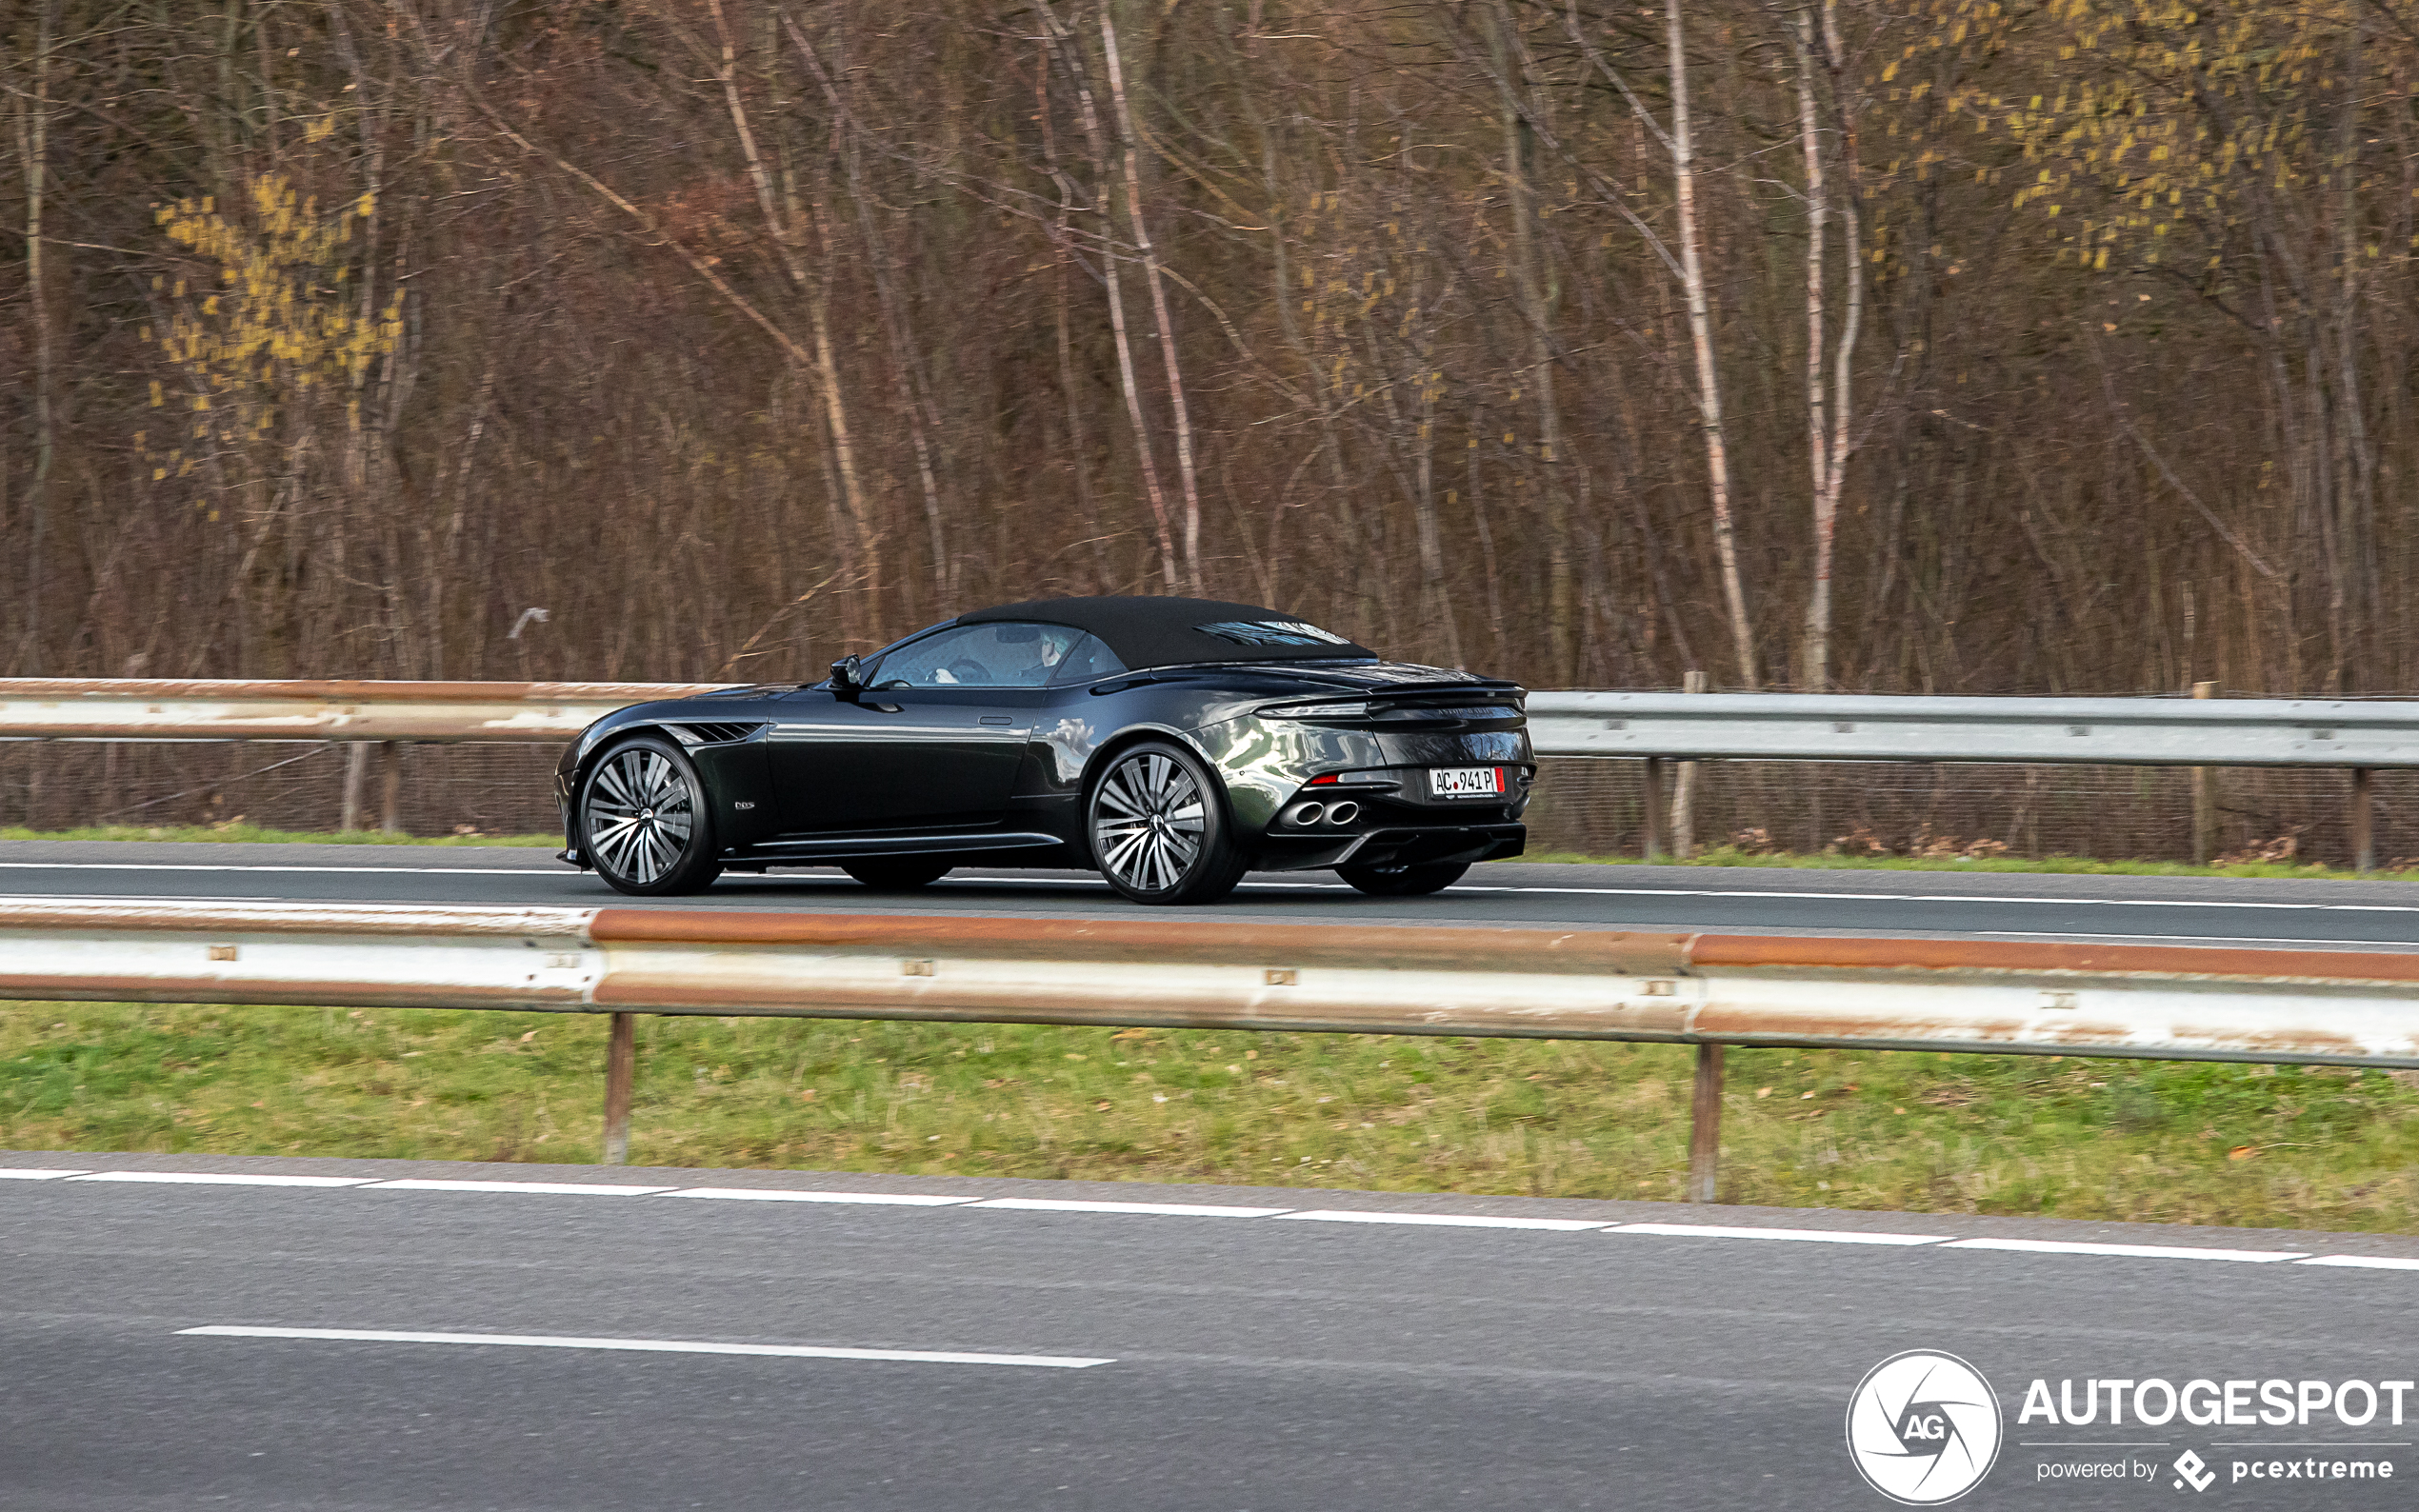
column 2165, row 1142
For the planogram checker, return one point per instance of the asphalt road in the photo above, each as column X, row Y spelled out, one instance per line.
column 2283, row 914
column 1156, row 1361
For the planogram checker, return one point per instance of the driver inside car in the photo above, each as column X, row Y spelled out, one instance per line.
column 1051, row 650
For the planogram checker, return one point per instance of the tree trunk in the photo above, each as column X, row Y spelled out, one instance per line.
column 1158, row 304
column 1708, row 395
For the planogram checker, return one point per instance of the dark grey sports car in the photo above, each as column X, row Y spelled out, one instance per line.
column 1171, row 744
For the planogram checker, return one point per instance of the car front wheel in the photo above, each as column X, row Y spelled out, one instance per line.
column 1159, row 832
column 644, row 824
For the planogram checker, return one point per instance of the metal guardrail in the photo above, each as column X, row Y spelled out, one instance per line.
column 1847, row 726
column 123, row 708
column 1656, row 727
column 1710, row 990
column 1738, row 726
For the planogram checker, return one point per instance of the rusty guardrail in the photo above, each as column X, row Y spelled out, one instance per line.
column 366, row 715
column 2342, row 1007
column 129, row 708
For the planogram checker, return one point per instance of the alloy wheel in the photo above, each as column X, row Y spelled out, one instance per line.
column 641, row 813
column 1148, row 823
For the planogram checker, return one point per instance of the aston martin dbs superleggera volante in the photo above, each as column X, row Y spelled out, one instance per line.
column 1171, row 745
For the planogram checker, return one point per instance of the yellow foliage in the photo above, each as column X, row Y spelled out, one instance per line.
column 283, row 317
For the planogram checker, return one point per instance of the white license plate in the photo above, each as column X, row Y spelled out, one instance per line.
column 1465, row 782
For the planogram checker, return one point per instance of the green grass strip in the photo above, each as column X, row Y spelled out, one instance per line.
column 2180, row 1143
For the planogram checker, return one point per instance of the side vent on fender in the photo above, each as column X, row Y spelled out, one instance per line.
column 713, row 734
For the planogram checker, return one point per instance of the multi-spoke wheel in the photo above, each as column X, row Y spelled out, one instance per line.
column 1404, row 881
column 1159, row 831
column 643, row 820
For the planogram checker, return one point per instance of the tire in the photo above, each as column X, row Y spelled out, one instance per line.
column 899, row 874
column 644, row 823
column 1404, row 881
column 1158, row 823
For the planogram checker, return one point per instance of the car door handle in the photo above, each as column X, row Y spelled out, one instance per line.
column 997, row 719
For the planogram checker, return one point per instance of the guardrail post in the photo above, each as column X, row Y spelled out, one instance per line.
column 2204, row 798
column 1684, row 792
column 621, row 1062
column 2363, row 820
column 1705, row 1126
column 1653, row 840
column 391, row 786
column 356, row 777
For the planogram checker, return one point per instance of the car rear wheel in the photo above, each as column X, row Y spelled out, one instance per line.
column 897, row 875
column 1159, row 832
column 644, row 824
column 1404, row 881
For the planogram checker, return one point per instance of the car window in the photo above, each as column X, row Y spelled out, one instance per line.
column 1091, row 660
column 1010, row 654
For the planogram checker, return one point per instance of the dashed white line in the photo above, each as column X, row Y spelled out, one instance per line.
column 547, row 1188
column 232, row 1179
column 2061, row 1246
column 666, row 1346
column 915, row 1199
column 1819, row 1236
column 1042, row 1204
column 1338, row 1215
column 761, row 1194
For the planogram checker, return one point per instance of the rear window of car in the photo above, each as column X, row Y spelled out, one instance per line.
column 1271, row 633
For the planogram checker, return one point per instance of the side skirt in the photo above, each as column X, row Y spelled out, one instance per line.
column 823, row 851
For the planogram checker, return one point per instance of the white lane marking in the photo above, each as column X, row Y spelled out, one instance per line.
column 555, row 1188
column 667, row 1347
column 1746, row 893
column 759, row 1194
column 182, row 897
column 2060, row 1246
column 2203, row 939
column 1819, row 1236
column 1338, row 1215
column 2043, row 1247
column 1296, row 887
column 184, row 865
column 1979, row 897
column 1043, row 1204
column 217, row 1179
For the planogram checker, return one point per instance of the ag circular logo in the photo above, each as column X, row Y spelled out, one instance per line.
column 1923, row 1427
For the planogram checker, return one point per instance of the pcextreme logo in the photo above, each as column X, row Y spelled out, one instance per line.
column 1923, row 1427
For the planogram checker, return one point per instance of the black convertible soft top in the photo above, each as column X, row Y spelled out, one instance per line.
column 1171, row 632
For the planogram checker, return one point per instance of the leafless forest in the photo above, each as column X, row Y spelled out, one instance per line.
column 1951, row 346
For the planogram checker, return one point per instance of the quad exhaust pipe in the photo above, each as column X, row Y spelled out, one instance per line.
column 1308, row 814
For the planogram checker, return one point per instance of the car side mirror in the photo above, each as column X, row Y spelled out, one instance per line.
column 848, row 676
